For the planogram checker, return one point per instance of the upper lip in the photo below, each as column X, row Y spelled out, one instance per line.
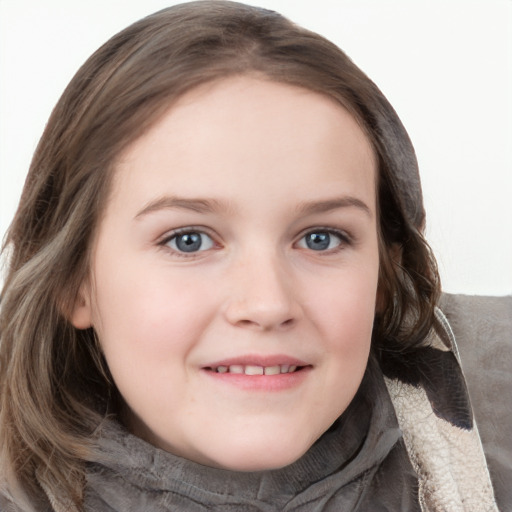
column 258, row 360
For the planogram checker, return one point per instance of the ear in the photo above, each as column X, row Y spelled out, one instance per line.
column 81, row 312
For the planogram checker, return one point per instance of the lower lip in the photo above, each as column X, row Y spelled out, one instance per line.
column 267, row 383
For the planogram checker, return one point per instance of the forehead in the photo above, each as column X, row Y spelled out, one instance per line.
column 222, row 135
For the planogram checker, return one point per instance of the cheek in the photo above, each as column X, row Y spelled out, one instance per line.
column 347, row 309
column 348, row 331
column 148, row 315
column 147, row 326
column 345, row 320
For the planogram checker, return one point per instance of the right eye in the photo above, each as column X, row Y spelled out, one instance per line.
column 189, row 242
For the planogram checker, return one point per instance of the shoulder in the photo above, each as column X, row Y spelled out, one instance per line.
column 483, row 330
column 476, row 318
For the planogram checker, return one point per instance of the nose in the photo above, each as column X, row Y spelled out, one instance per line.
column 262, row 296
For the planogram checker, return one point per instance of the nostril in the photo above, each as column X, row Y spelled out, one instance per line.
column 266, row 325
column 245, row 323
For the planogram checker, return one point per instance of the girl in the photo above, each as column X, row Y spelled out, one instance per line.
column 219, row 296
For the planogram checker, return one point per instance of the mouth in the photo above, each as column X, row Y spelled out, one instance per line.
column 250, row 369
column 259, row 373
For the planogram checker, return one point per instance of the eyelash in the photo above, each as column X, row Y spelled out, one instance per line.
column 189, row 230
column 345, row 239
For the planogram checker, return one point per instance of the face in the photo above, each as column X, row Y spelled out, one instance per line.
column 234, row 273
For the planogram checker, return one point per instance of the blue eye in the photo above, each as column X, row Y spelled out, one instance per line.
column 190, row 241
column 321, row 240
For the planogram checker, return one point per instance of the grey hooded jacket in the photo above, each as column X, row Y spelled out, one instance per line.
column 408, row 442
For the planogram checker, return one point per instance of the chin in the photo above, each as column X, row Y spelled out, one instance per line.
column 260, row 463
column 256, row 456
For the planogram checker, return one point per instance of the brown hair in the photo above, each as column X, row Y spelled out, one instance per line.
column 55, row 387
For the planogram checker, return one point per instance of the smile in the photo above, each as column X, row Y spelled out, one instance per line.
column 259, row 372
column 256, row 370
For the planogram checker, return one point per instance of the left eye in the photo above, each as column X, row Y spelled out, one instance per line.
column 191, row 241
column 321, row 240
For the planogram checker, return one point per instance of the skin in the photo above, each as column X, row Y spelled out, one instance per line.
column 270, row 163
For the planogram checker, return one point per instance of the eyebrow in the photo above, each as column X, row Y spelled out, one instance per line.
column 200, row 205
column 312, row 207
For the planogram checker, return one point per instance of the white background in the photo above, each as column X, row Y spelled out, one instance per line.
column 445, row 65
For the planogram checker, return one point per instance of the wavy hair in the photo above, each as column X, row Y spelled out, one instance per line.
column 55, row 387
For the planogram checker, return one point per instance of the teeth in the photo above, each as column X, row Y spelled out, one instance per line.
column 272, row 370
column 256, row 370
